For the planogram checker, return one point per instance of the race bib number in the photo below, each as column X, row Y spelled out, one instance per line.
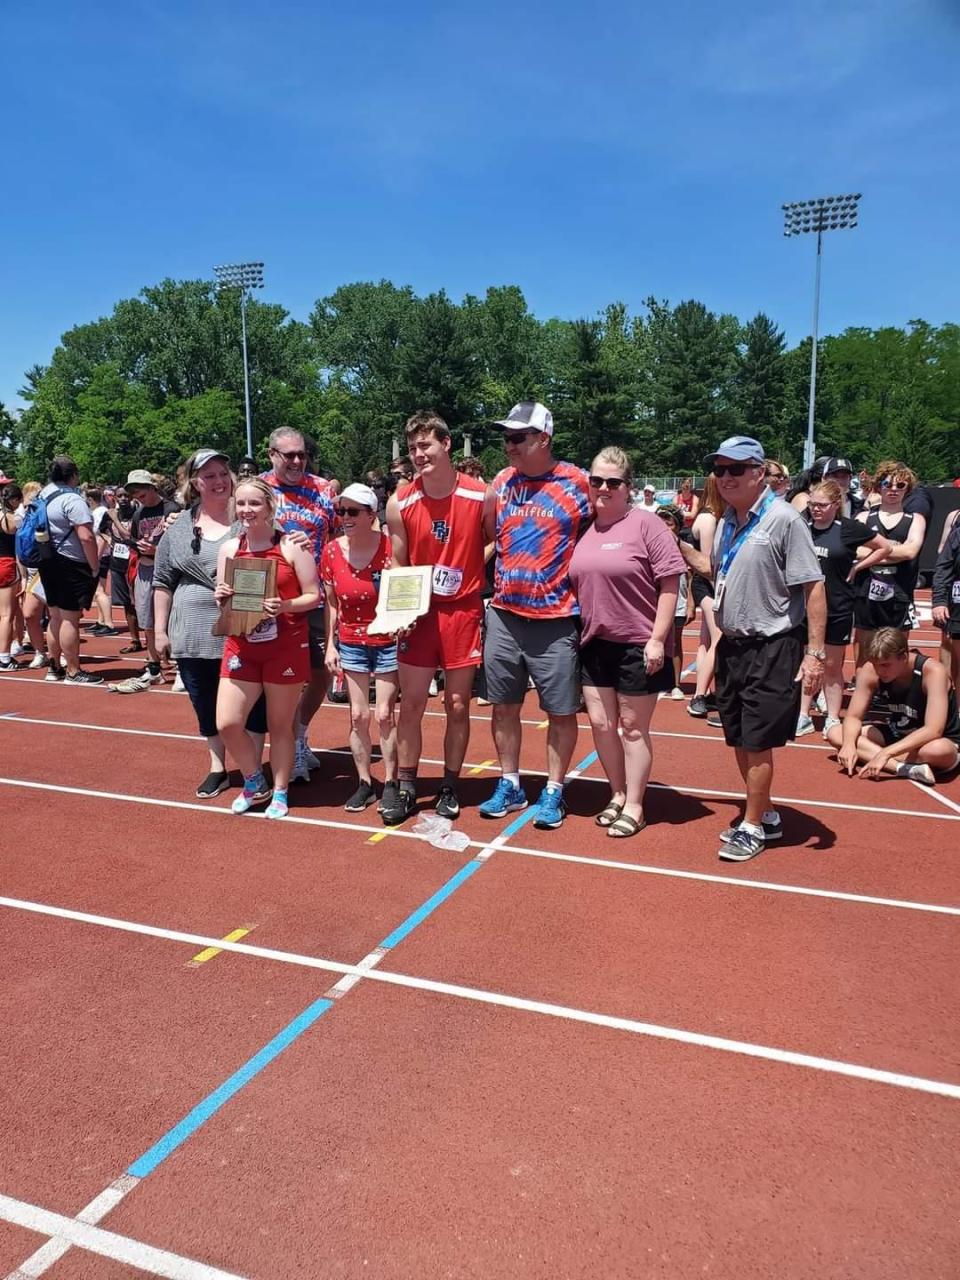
column 446, row 581
column 264, row 631
column 120, row 551
column 880, row 590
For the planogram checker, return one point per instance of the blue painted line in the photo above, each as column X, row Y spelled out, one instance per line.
column 208, row 1107
column 430, row 905
column 585, row 763
column 214, row 1101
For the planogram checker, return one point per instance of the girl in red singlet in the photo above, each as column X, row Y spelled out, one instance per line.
column 687, row 501
column 275, row 658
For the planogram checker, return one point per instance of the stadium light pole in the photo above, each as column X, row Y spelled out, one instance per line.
column 244, row 276
column 828, row 213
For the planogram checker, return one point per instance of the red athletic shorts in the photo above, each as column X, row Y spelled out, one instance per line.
column 8, row 571
column 285, row 660
column 447, row 637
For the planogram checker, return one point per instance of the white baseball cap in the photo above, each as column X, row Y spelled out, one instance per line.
column 528, row 415
column 362, row 494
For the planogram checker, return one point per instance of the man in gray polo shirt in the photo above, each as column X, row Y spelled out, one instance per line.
column 767, row 584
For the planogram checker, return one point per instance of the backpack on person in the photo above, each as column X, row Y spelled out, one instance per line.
column 32, row 542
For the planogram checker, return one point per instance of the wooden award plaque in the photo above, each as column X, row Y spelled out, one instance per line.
column 253, row 580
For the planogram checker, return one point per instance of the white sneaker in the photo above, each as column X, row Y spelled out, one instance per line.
column 921, row 773
column 676, row 693
column 16, row 649
column 804, row 726
column 135, row 684
column 301, row 769
column 830, row 723
column 178, row 685
column 39, row 660
column 434, row 687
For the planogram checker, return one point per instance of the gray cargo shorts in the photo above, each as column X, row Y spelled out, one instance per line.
column 547, row 650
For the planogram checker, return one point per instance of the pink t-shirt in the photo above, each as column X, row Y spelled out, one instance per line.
column 616, row 574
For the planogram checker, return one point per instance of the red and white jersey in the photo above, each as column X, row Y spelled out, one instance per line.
column 447, row 533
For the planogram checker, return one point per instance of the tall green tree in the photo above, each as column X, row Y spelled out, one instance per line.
column 760, row 382
column 694, row 361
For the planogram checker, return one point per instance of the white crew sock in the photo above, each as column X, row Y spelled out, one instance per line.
column 513, row 779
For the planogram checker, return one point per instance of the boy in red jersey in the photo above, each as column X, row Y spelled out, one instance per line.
column 438, row 519
column 540, row 507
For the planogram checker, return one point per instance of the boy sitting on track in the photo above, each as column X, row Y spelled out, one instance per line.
column 922, row 737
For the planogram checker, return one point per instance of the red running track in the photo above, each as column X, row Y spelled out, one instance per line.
column 420, row 1132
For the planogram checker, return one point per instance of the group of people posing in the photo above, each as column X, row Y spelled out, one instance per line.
column 548, row 576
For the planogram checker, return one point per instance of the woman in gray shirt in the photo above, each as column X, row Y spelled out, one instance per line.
column 185, row 610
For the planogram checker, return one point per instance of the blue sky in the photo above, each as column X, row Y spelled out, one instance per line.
column 585, row 152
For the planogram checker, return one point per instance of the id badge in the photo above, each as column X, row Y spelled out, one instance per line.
column 264, row 631
column 955, row 593
column 446, row 581
column 718, row 593
column 879, row 590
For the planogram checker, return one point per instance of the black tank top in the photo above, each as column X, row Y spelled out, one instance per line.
column 8, row 541
column 903, row 576
column 908, row 706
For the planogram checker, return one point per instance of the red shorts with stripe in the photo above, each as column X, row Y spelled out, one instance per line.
column 285, row 660
column 446, row 638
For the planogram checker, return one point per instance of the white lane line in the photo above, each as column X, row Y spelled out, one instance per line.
column 442, row 715
column 936, row 795
column 745, row 1048
column 608, row 864
column 44, row 1258
column 771, row 886
column 133, row 1253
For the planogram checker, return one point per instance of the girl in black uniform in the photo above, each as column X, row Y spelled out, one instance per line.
column 946, row 597
column 922, row 737
column 837, row 541
column 885, row 594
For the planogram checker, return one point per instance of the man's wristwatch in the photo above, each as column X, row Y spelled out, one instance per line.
column 819, row 654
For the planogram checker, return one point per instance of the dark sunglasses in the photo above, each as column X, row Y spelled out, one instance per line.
column 295, row 455
column 517, row 437
column 197, row 539
column 893, row 484
column 611, row 482
column 775, row 477
column 353, row 512
column 721, row 469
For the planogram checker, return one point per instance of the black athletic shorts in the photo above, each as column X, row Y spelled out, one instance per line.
column 120, row 590
column 757, row 692
column 839, row 629
column 67, row 584
column 702, row 590
column 608, row 664
column 316, row 635
column 871, row 615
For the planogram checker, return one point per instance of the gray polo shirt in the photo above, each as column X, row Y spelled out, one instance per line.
column 763, row 594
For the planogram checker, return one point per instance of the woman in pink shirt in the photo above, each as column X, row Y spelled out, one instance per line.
column 626, row 572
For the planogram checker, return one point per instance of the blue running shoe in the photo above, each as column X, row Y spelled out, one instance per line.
column 506, row 799
column 551, row 810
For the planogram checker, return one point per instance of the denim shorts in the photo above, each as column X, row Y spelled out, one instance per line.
column 370, row 659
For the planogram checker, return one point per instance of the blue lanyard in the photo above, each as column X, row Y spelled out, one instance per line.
column 730, row 545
